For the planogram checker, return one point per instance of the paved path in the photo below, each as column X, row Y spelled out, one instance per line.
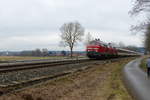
column 137, row 81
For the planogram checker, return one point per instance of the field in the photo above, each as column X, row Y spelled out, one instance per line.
column 100, row 82
column 16, row 58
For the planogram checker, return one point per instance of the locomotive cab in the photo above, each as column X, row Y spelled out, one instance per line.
column 96, row 49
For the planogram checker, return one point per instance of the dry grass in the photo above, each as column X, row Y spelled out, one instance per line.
column 10, row 58
column 13, row 58
column 101, row 82
column 143, row 64
column 115, row 89
column 16, row 58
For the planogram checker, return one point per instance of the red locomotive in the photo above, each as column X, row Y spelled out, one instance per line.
column 99, row 49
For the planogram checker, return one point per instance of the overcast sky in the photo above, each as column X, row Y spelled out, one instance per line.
column 31, row 24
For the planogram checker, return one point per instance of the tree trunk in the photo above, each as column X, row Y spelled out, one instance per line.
column 71, row 52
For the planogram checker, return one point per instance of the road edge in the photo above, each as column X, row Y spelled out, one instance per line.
column 129, row 82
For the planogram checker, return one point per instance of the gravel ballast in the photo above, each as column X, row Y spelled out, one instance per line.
column 25, row 75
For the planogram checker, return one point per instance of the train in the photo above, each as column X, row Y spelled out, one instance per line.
column 98, row 49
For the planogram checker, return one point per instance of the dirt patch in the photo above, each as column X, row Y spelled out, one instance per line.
column 101, row 82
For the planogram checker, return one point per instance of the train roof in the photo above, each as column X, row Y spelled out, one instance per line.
column 126, row 50
column 99, row 42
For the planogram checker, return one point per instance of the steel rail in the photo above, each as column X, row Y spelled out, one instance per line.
column 4, row 68
column 25, row 66
column 6, row 89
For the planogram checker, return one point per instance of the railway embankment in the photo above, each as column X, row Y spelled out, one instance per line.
column 99, row 81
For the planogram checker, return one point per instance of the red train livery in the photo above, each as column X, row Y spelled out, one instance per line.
column 99, row 49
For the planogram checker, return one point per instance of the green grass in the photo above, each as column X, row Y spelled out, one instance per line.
column 143, row 64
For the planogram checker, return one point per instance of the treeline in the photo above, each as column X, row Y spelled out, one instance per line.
column 43, row 53
column 133, row 48
column 37, row 53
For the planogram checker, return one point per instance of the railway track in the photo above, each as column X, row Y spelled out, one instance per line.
column 33, row 65
column 13, row 67
column 15, row 86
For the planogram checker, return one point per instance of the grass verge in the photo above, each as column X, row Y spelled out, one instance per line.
column 143, row 64
column 115, row 89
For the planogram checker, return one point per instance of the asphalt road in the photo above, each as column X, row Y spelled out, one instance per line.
column 137, row 81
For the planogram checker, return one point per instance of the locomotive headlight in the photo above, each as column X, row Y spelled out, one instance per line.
column 96, row 50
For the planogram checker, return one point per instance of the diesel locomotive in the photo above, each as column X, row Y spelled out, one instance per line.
column 98, row 49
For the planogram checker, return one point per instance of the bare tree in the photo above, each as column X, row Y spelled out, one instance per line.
column 36, row 52
column 131, row 47
column 88, row 38
column 143, row 6
column 121, row 44
column 140, row 6
column 71, row 33
column 45, row 52
column 114, row 44
column 147, row 38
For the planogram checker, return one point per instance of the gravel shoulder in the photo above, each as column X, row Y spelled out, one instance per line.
column 100, row 82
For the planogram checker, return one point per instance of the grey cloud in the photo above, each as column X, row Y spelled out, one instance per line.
column 44, row 17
